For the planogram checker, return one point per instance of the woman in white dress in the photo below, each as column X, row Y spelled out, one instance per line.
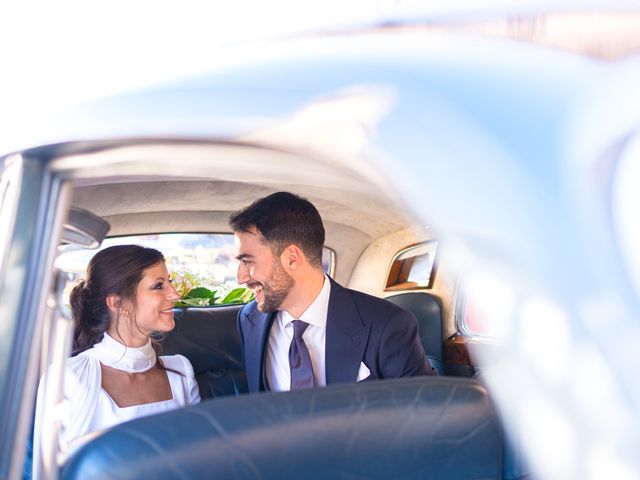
column 115, row 373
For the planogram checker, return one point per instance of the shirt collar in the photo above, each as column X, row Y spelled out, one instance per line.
column 316, row 313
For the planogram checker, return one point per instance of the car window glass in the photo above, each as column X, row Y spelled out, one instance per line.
column 413, row 267
column 194, row 259
column 10, row 169
column 470, row 319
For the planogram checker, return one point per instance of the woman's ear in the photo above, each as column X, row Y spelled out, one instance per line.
column 114, row 302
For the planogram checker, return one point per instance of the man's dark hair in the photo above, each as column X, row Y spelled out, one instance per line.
column 283, row 218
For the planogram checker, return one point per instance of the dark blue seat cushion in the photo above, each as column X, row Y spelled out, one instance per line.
column 411, row 428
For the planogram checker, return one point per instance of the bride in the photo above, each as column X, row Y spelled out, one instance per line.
column 115, row 373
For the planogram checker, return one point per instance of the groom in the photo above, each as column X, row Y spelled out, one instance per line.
column 303, row 329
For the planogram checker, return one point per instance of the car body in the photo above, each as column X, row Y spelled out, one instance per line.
column 503, row 151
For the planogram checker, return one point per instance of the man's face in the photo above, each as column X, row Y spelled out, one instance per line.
column 261, row 271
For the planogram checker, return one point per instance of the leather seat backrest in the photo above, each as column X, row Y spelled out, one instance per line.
column 409, row 428
column 209, row 338
column 428, row 310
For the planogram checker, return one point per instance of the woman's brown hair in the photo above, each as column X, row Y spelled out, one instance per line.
column 114, row 270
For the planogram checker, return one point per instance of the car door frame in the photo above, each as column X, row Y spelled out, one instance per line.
column 25, row 295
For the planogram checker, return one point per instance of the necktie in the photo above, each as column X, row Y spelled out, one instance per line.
column 299, row 359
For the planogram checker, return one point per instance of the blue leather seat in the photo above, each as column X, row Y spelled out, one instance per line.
column 209, row 338
column 428, row 311
column 409, row 428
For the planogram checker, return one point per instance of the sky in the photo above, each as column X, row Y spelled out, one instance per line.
column 54, row 53
column 58, row 53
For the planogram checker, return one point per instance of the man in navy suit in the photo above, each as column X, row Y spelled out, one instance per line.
column 300, row 318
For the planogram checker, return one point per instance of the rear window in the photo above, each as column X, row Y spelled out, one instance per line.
column 195, row 260
column 413, row 267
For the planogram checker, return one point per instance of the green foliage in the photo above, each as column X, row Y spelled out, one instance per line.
column 238, row 295
column 198, row 297
column 193, row 302
column 202, row 292
column 193, row 294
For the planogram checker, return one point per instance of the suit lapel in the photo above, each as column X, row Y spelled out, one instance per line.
column 347, row 336
column 255, row 354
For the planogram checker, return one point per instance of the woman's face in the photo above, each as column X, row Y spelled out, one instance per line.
column 155, row 297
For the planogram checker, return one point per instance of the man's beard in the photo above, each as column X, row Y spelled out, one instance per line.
column 276, row 289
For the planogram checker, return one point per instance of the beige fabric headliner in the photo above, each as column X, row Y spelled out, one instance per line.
column 143, row 189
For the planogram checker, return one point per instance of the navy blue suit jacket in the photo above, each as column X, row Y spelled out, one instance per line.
column 360, row 328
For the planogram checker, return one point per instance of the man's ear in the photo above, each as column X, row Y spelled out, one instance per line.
column 292, row 257
column 114, row 302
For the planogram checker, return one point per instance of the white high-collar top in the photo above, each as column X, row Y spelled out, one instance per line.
column 281, row 334
column 111, row 353
column 89, row 406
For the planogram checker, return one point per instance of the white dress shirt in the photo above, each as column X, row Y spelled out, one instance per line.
column 277, row 368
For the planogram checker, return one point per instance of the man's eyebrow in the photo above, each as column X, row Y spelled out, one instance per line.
column 242, row 256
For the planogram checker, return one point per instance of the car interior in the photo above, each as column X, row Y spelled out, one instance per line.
column 442, row 427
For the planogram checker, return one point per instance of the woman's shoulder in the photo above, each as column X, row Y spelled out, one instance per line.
column 82, row 358
column 82, row 367
column 179, row 363
column 184, row 383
